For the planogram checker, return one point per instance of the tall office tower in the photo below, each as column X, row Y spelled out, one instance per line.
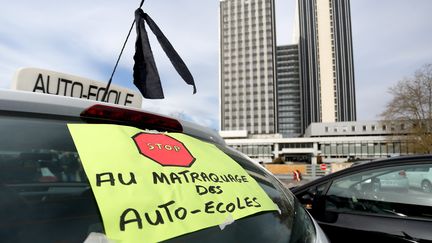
column 288, row 91
column 326, row 61
column 247, row 66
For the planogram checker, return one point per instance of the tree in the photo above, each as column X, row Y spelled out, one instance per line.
column 411, row 106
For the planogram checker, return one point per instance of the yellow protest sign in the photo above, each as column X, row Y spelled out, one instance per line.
column 152, row 187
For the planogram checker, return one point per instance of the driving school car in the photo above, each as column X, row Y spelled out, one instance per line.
column 76, row 170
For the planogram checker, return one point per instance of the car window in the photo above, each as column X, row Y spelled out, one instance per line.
column 45, row 195
column 402, row 191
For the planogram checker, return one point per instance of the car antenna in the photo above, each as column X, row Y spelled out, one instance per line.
column 145, row 74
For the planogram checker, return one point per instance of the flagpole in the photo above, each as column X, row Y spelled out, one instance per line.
column 104, row 97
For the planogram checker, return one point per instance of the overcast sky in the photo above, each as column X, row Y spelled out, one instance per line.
column 392, row 38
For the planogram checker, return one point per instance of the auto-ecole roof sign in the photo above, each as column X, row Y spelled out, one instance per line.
column 50, row 82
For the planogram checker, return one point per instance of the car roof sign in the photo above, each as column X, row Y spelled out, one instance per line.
column 55, row 83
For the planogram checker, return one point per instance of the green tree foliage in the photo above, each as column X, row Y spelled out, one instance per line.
column 411, row 105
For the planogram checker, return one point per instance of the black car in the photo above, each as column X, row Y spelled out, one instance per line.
column 380, row 201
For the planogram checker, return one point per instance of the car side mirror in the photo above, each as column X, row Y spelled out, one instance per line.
column 311, row 198
column 306, row 200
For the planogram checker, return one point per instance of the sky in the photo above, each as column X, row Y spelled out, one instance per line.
column 392, row 38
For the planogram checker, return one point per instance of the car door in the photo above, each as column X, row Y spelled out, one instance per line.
column 365, row 206
column 420, row 177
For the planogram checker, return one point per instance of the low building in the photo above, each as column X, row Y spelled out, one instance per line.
column 326, row 142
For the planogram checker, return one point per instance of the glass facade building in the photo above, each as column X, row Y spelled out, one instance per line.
column 326, row 61
column 288, row 91
column 247, row 66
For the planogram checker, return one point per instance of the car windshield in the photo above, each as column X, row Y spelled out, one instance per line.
column 45, row 195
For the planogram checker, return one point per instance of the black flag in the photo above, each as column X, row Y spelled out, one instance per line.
column 146, row 76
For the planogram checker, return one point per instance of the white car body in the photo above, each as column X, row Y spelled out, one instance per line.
column 29, row 105
column 420, row 177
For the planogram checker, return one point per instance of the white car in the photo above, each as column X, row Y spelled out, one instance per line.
column 420, row 177
column 48, row 192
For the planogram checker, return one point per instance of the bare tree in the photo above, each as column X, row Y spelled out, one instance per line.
column 411, row 105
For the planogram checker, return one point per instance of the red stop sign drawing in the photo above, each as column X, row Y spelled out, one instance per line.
column 163, row 149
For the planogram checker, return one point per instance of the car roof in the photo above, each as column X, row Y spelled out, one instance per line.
column 47, row 104
column 395, row 161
